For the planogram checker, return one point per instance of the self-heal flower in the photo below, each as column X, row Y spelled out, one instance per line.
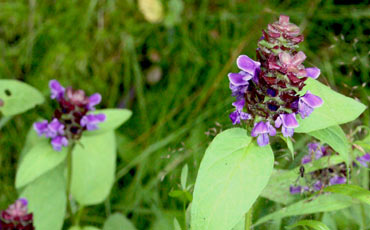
column 364, row 160
column 289, row 122
column 262, row 130
column 307, row 103
column 72, row 116
column 91, row 121
column 16, row 217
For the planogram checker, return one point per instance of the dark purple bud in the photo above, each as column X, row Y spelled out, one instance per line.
column 57, row 90
column 77, row 97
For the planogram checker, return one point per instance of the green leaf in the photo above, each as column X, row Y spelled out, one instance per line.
column 93, row 168
column 114, row 119
column 90, row 228
column 18, row 97
column 317, row 225
column 322, row 203
column 354, row 191
column 336, row 138
column 47, row 200
column 117, row 221
column 337, row 108
column 38, row 160
column 278, row 187
column 184, row 176
column 176, row 224
column 289, row 144
column 233, row 173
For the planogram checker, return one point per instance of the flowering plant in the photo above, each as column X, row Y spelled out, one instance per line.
column 275, row 94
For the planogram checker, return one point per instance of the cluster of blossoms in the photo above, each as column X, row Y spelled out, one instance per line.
column 16, row 217
column 267, row 91
column 319, row 179
column 71, row 118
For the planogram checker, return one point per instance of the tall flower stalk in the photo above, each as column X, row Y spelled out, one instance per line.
column 268, row 91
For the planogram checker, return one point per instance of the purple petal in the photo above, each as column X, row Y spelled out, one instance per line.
column 278, row 122
column 364, row 160
column 41, row 127
column 90, row 121
column 239, row 104
column 263, row 139
column 259, row 128
column 234, row 117
column 94, row 99
column 287, row 132
column 247, row 64
column 57, row 90
column 283, row 19
column 244, row 116
column 295, row 189
column 285, row 58
column 337, row 180
column 55, row 128
column 306, row 159
column 289, row 120
column 272, row 130
column 318, row 185
column 313, row 72
column 58, row 142
column 312, row 100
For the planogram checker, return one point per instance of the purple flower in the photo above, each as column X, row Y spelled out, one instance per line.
column 307, row 103
column 17, row 217
column 94, row 100
column 313, row 72
column 55, row 128
column 295, row 189
column 364, row 160
column 90, row 121
column 289, row 122
column 57, row 90
column 247, row 64
column 314, row 148
column 306, row 159
column 263, row 130
column 337, row 180
column 58, row 142
column 41, row 127
column 318, row 185
column 239, row 79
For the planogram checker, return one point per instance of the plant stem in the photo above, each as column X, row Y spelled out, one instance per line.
column 69, row 180
column 248, row 219
column 4, row 120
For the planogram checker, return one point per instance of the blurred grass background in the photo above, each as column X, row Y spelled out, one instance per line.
column 171, row 73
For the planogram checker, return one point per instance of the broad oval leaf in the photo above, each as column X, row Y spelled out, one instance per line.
column 322, row 203
column 38, row 160
column 353, row 191
column 337, row 108
column 47, row 200
column 90, row 228
column 18, row 97
column 314, row 224
column 93, row 167
column 114, row 119
column 336, row 138
column 117, row 221
column 233, row 173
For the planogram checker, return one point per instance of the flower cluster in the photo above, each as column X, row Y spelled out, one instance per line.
column 71, row 118
column 267, row 91
column 17, row 217
column 319, row 179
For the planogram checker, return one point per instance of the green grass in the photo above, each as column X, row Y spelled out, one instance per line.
column 107, row 46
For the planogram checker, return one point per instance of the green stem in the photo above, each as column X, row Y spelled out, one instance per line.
column 248, row 219
column 4, row 120
column 78, row 216
column 69, row 180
